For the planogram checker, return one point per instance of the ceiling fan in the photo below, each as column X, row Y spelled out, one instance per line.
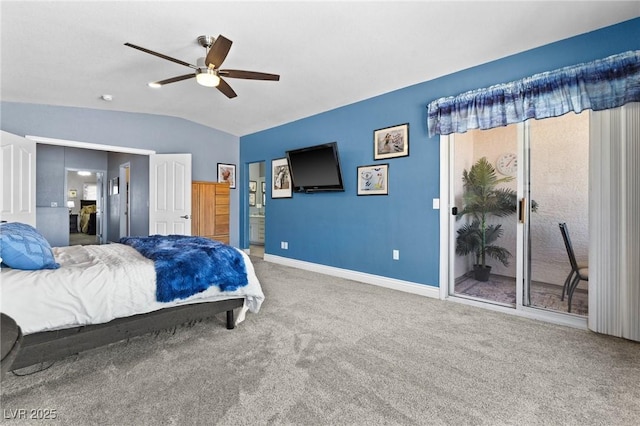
column 207, row 71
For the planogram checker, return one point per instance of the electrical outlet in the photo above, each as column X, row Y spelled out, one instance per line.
column 284, row 245
column 436, row 203
column 54, row 204
column 396, row 255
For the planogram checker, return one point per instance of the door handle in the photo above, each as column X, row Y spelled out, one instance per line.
column 186, row 216
column 521, row 213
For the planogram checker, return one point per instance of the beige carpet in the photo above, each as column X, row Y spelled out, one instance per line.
column 328, row 351
column 79, row 238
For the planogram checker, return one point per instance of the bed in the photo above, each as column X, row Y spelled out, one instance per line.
column 88, row 296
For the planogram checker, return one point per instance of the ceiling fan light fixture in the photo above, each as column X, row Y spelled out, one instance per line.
column 207, row 77
column 207, row 71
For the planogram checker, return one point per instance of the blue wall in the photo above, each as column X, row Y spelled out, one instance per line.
column 359, row 233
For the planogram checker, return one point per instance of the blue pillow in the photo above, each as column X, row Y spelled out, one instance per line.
column 23, row 247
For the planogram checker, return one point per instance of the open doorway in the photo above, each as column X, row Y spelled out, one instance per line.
column 124, row 177
column 85, row 201
column 257, row 208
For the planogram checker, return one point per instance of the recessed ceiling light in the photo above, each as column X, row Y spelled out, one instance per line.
column 107, row 98
column 84, row 173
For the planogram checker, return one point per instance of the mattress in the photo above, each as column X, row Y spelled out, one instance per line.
column 96, row 284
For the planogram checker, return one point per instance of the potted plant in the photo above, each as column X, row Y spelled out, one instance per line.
column 482, row 199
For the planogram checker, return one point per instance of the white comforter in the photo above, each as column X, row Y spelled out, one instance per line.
column 96, row 284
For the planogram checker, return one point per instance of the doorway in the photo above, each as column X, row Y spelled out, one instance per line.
column 124, row 177
column 85, row 201
column 257, row 208
column 510, row 188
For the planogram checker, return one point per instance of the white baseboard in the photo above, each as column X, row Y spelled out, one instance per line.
column 392, row 283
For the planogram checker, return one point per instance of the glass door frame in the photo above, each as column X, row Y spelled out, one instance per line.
column 522, row 256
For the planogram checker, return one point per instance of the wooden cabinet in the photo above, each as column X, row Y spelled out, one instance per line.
column 210, row 210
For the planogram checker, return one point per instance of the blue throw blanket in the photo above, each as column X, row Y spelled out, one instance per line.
column 188, row 265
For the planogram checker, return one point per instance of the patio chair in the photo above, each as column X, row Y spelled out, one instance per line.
column 579, row 271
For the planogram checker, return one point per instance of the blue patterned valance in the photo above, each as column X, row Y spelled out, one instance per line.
column 602, row 84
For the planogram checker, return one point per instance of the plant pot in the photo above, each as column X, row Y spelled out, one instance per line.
column 481, row 273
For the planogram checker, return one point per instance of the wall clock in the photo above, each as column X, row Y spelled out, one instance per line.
column 507, row 164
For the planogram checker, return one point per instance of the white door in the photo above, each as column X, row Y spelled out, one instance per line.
column 170, row 194
column 18, row 198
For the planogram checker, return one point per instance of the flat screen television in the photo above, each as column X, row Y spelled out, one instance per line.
column 315, row 168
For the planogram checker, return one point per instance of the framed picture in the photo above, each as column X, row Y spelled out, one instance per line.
column 280, row 179
column 252, row 199
column 227, row 173
column 373, row 179
column 391, row 142
column 253, row 186
column 73, row 193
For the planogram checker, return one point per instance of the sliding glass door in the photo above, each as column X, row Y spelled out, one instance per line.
column 557, row 182
column 510, row 188
column 483, row 216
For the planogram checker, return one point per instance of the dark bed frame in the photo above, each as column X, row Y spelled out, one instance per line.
column 54, row 345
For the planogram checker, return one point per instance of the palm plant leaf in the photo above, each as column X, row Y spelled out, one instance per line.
column 482, row 199
column 499, row 253
column 493, row 233
column 469, row 239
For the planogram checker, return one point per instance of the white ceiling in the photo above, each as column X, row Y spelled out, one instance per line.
column 328, row 54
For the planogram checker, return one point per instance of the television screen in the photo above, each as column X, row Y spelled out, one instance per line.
column 315, row 168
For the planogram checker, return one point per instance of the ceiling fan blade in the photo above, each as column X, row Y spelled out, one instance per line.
column 226, row 89
column 160, row 55
column 174, row 79
column 218, row 51
column 249, row 75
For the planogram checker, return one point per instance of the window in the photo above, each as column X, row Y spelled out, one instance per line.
column 89, row 191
